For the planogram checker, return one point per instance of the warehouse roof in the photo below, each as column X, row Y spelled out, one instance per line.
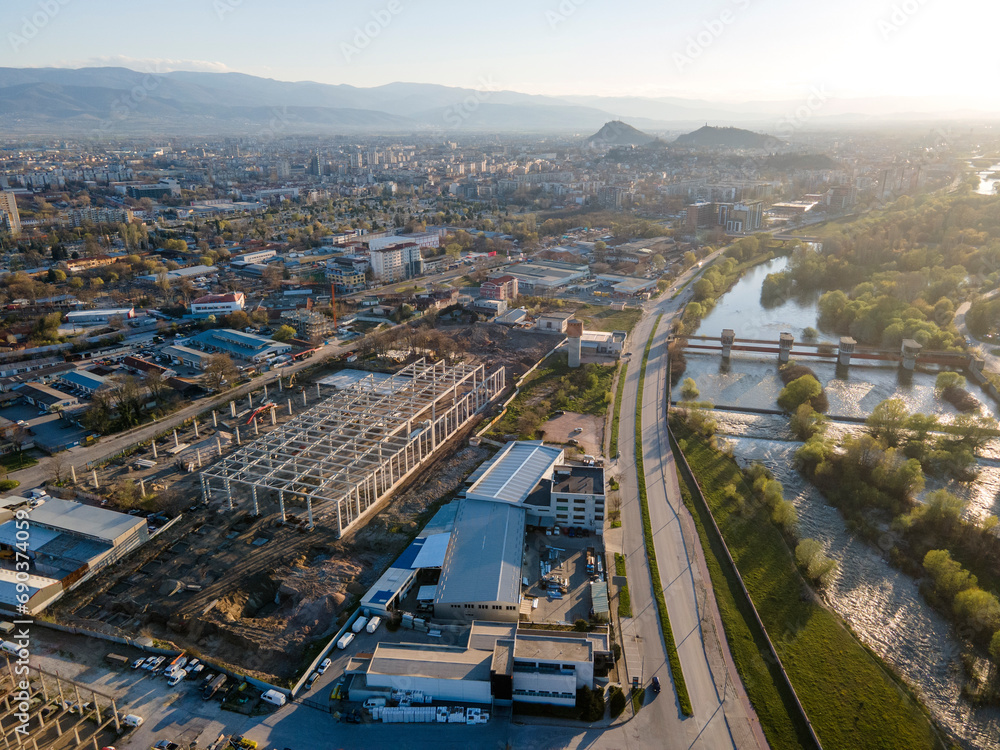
column 483, row 563
column 85, row 520
column 83, row 378
column 514, row 472
column 440, row 662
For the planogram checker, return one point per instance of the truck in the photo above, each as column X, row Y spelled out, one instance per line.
column 590, row 560
column 345, row 640
column 212, row 688
column 373, row 624
column 359, row 624
column 117, row 660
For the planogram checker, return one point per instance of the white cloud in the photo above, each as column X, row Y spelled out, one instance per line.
column 143, row 65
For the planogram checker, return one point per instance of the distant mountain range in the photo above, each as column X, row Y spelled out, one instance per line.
column 119, row 101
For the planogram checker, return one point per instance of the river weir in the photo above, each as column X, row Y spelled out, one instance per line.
column 883, row 605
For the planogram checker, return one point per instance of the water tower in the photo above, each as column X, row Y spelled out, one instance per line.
column 574, row 329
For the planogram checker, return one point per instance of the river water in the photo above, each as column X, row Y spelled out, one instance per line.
column 988, row 179
column 883, row 606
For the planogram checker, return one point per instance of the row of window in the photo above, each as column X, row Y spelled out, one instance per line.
column 545, row 694
column 484, row 606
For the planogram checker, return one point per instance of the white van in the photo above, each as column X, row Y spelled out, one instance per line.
column 345, row 640
column 179, row 675
column 9, row 648
column 132, row 720
column 373, row 624
column 274, row 697
column 371, row 703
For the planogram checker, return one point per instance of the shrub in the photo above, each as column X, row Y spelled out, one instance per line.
column 798, row 392
column 689, row 390
column 617, row 701
column 8, row 484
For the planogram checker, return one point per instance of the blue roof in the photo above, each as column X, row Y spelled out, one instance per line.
column 83, row 378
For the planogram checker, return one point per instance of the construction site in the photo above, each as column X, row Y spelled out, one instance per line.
column 289, row 508
column 351, row 450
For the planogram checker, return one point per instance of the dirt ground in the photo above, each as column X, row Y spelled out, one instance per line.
column 590, row 435
column 493, row 345
column 266, row 590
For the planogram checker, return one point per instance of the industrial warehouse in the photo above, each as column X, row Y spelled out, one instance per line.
column 351, row 450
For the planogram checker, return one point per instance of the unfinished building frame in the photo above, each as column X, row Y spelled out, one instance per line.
column 352, row 449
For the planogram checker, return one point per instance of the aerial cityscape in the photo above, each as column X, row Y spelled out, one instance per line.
column 563, row 374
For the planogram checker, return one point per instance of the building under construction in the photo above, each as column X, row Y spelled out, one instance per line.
column 351, row 450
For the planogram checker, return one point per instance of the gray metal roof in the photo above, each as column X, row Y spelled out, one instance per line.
column 515, row 471
column 483, row 563
column 85, row 520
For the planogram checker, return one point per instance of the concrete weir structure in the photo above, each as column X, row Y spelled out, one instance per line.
column 350, row 451
column 910, row 351
column 847, row 345
column 785, row 343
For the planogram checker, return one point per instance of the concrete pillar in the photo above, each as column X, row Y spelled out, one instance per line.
column 215, row 418
column 289, row 407
column 910, row 350
column 198, row 454
column 196, row 428
column 281, row 386
column 229, row 493
column 847, row 345
column 253, row 493
column 281, row 504
column 256, row 429
column 574, row 329
column 94, row 474
column 265, row 391
column 303, row 397
column 785, row 343
column 274, row 416
column 142, row 487
column 204, row 490
column 250, row 399
column 317, row 390
column 153, row 443
column 176, row 441
column 72, row 473
column 218, row 445
column 309, row 510
column 238, row 442
column 728, row 337
column 232, row 408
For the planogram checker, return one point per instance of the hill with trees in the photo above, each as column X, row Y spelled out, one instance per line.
column 713, row 137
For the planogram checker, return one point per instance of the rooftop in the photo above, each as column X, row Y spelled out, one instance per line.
column 550, row 647
column 441, row 662
column 578, row 480
column 514, row 472
column 483, row 563
column 215, row 299
column 85, row 520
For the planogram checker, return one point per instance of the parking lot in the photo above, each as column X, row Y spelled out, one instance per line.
column 49, row 429
column 570, row 562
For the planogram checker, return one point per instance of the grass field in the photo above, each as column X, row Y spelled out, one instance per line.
column 597, row 318
column 554, row 385
column 624, row 600
column 618, row 409
column 851, row 698
column 15, row 461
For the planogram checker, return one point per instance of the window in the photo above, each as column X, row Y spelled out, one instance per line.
column 562, row 507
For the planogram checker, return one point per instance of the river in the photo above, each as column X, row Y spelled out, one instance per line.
column 883, row 605
column 988, row 179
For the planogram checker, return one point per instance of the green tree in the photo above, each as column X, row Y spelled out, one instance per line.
column 949, row 577
column 946, row 380
column 798, row 392
column 980, row 609
column 284, row 333
column 689, row 390
column 887, row 422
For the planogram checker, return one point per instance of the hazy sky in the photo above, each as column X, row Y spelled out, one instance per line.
column 741, row 49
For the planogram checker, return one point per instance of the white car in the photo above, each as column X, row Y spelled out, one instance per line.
column 324, row 665
column 179, row 675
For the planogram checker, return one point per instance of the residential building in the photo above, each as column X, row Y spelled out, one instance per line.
column 397, row 262
column 9, row 217
column 253, row 256
column 701, row 215
column 420, row 239
column 741, row 218
column 553, row 322
column 501, row 288
column 219, row 304
column 347, row 274
column 308, row 324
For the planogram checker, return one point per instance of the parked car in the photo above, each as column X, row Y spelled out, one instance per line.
column 324, row 665
column 656, row 684
column 166, row 745
column 312, row 680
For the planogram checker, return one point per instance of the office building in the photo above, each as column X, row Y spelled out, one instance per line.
column 397, row 262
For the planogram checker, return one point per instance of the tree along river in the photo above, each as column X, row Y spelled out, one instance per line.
column 883, row 605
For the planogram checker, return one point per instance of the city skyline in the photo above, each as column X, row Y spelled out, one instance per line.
column 735, row 51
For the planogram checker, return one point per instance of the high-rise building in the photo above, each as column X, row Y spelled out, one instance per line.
column 700, row 215
column 9, row 217
column 397, row 262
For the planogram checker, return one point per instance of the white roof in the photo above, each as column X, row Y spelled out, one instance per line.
column 515, row 471
column 84, row 520
column 9, row 582
column 431, row 555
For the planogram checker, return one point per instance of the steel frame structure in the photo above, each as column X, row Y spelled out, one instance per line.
column 352, row 449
